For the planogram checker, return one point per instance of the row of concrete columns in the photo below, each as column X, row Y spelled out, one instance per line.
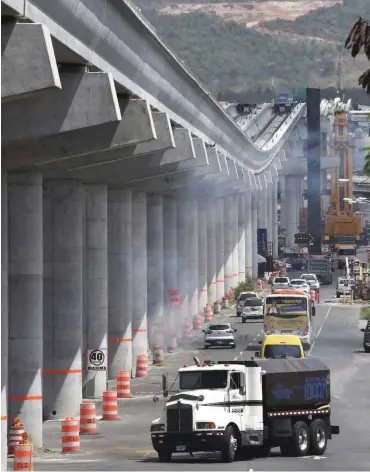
column 291, row 202
column 90, row 268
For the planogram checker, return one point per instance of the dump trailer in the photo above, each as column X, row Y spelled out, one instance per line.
column 322, row 268
column 246, row 408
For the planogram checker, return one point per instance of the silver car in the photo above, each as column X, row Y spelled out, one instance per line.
column 280, row 283
column 253, row 308
column 241, row 299
column 312, row 281
column 221, row 334
column 300, row 284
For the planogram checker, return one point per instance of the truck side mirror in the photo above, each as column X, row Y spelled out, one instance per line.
column 259, row 342
column 362, row 329
column 242, row 384
column 164, row 385
column 313, row 311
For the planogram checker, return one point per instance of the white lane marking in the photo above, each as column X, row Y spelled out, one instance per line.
column 318, row 333
column 336, row 396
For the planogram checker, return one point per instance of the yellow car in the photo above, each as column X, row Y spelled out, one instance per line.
column 280, row 346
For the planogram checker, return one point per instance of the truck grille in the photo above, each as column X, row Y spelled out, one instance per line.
column 179, row 417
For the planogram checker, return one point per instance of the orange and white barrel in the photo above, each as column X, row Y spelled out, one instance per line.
column 197, row 323
column 15, row 435
column 110, row 406
column 158, row 355
column 87, row 417
column 313, row 295
column 217, row 308
column 23, row 454
column 142, row 365
column 186, row 331
column 225, row 302
column 70, row 435
column 123, row 384
column 208, row 314
column 171, row 341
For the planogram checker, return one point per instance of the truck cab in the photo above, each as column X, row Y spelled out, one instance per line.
column 246, row 407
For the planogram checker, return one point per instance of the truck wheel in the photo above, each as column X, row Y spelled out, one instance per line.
column 300, row 439
column 318, row 437
column 164, row 456
column 230, row 445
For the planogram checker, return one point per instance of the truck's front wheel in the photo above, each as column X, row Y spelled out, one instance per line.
column 230, row 445
column 318, row 437
column 164, row 456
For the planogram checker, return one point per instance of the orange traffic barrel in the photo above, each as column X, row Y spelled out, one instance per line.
column 23, row 454
column 186, row 331
column 197, row 323
column 15, row 434
column 171, row 341
column 87, row 417
column 208, row 314
column 142, row 365
column 158, row 355
column 110, row 406
column 225, row 302
column 217, row 308
column 123, row 384
column 70, row 435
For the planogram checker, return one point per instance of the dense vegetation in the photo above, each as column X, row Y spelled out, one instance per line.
column 330, row 23
column 229, row 56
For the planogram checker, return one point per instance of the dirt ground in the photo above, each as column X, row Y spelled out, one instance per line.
column 250, row 14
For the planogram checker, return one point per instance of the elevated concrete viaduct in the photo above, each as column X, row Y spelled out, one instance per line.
column 122, row 180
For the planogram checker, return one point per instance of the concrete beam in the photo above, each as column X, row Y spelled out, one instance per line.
column 96, row 144
column 28, row 61
column 87, row 99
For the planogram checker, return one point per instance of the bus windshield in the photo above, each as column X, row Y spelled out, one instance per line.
column 286, row 313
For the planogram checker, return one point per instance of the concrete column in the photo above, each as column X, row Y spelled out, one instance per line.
column 259, row 207
column 155, row 269
column 235, row 245
column 241, row 236
column 220, row 248
column 275, row 225
column 4, row 318
column 248, row 234
column 202, row 256
column 264, row 200
column 139, row 271
column 63, row 294
column 182, row 263
column 228, row 243
column 25, row 291
column 96, row 283
column 170, row 275
column 269, row 197
column 120, row 281
column 255, row 199
column 192, row 214
column 292, row 209
column 211, row 251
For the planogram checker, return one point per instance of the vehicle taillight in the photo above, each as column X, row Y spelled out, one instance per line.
column 208, row 331
column 229, row 331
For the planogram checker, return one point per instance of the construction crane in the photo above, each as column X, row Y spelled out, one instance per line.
column 342, row 226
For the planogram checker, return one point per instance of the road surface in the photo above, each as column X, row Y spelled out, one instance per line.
column 125, row 444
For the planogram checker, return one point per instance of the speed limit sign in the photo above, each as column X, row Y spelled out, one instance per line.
column 97, row 359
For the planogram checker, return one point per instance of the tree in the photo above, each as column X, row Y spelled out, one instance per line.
column 358, row 38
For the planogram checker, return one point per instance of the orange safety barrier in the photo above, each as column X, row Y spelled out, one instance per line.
column 123, row 384
column 225, row 302
column 313, row 295
column 70, row 435
column 197, row 323
column 208, row 314
column 260, row 284
column 23, row 454
column 142, row 365
column 15, row 434
column 87, row 417
column 158, row 355
column 217, row 308
column 186, row 331
column 318, row 296
column 171, row 342
column 110, row 407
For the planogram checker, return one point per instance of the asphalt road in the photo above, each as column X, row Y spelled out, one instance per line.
column 125, row 444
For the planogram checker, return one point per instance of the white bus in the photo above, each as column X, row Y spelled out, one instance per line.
column 289, row 312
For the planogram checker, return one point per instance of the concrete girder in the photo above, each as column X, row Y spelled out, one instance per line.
column 139, row 125
column 28, row 61
column 86, row 99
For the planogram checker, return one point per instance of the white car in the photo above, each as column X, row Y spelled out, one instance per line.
column 221, row 334
column 312, row 281
column 344, row 285
column 253, row 308
column 241, row 299
column 280, row 282
column 299, row 284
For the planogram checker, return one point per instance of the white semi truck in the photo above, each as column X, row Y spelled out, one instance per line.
column 247, row 408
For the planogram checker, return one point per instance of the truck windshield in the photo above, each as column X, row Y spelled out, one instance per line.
column 203, row 380
column 275, row 351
